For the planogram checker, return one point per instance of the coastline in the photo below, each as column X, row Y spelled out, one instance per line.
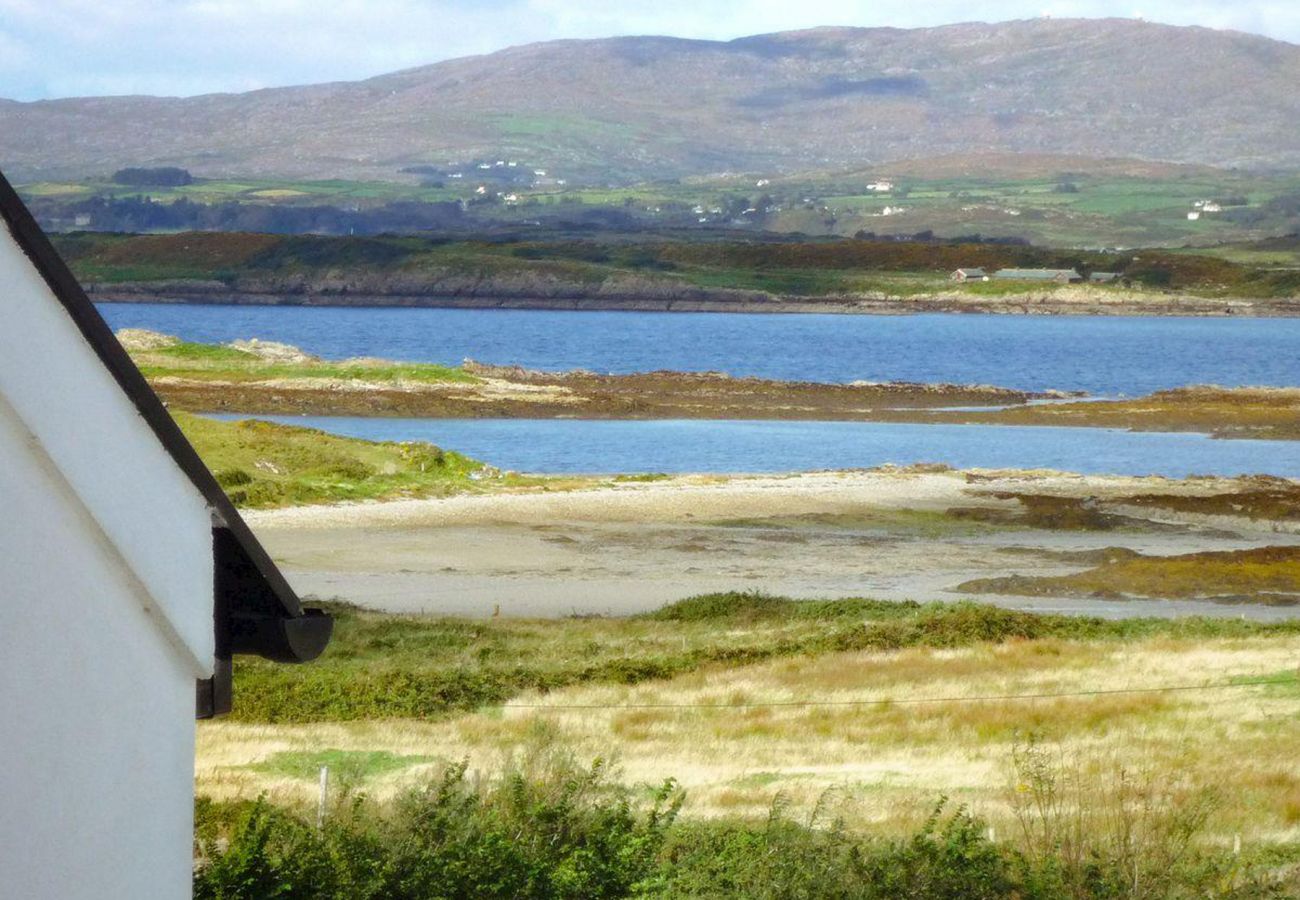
column 613, row 548
column 267, row 378
column 1081, row 301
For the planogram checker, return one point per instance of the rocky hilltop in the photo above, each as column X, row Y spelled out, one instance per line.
column 645, row 107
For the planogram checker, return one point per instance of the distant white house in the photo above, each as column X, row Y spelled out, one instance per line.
column 127, row 582
column 881, row 187
column 964, row 275
column 1194, row 215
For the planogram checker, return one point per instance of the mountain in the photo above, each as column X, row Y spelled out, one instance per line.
column 635, row 108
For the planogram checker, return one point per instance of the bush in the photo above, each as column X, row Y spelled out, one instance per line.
column 233, row 478
column 549, row 829
column 546, row 829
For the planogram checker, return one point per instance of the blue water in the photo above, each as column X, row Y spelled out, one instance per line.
column 1105, row 356
column 557, row 446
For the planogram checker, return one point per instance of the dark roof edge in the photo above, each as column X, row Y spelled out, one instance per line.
column 36, row 245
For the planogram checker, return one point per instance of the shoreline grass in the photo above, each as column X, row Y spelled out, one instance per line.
column 384, row 665
column 264, row 465
column 222, row 362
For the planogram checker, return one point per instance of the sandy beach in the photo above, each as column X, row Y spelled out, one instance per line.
column 623, row 548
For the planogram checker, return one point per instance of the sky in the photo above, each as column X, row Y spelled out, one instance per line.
column 65, row 48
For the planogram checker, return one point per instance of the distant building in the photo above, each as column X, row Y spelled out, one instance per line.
column 1057, row 276
column 881, row 187
column 1194, row 215
column 965, row 275
column 1103, row 277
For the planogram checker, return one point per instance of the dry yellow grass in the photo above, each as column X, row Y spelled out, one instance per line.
column 881, row 763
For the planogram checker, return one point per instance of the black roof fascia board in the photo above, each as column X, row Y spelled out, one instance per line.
column 300, row 635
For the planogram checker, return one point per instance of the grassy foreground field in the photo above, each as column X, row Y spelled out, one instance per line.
column 1138, row 747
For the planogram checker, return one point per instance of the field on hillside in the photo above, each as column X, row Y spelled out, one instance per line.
column 1063, row 202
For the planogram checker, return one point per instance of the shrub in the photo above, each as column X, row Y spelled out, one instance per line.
column 233, row 478
column 546, row 829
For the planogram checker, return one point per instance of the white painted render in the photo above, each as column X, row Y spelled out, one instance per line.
column 105, row 620
column 157, row 519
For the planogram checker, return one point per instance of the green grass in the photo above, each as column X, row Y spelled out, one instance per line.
column 261, row 464
column 218, row 362
column 382, row 666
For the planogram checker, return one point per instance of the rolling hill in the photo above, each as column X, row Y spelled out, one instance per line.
column 637, row 108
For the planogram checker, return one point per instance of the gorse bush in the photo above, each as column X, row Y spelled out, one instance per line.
column 948, row 857
column 546, row 829
column 550, row 829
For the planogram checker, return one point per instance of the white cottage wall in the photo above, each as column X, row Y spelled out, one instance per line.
column 106, row 603
column 96, row 705
column 61, row 391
